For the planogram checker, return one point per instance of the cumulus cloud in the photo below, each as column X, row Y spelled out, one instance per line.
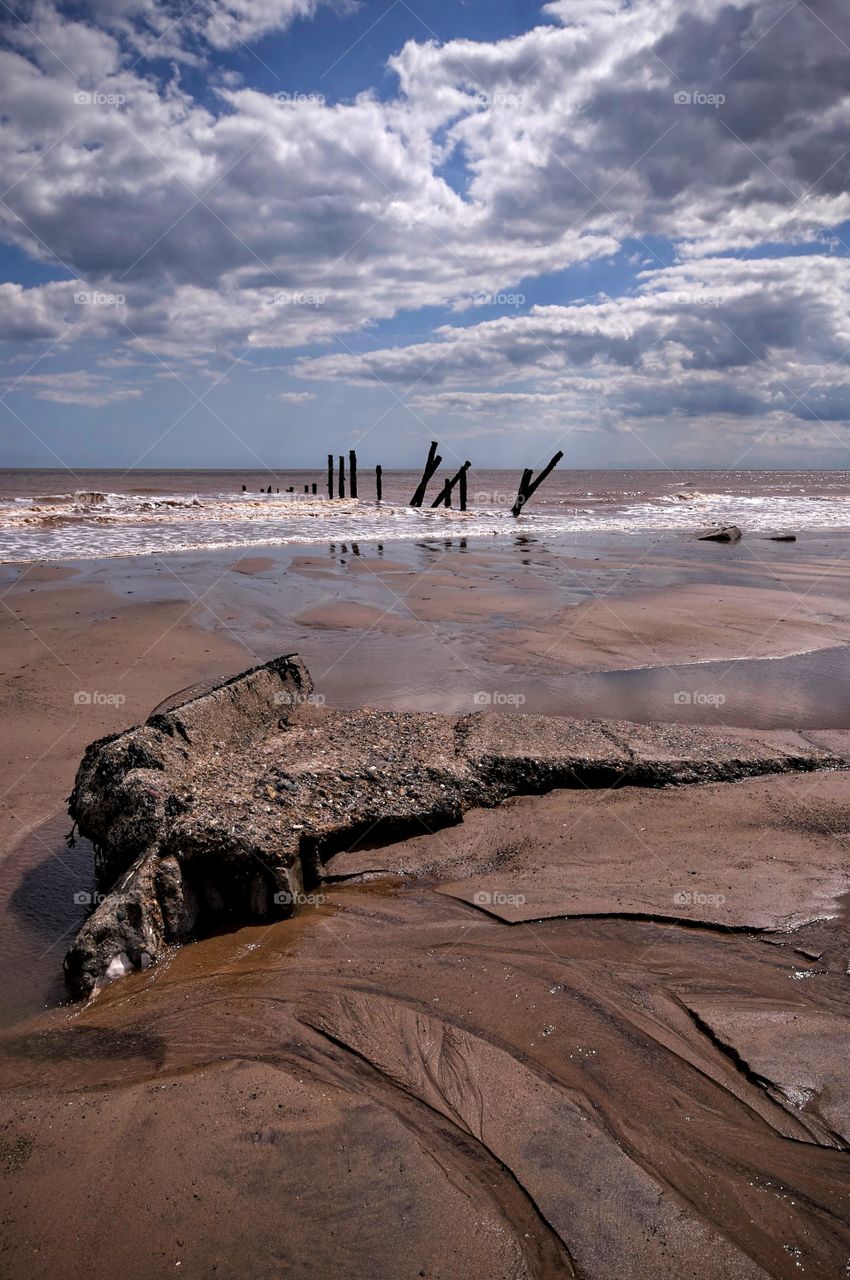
column 568, row 140
column 244, row 220
column 745, row 339
column 169, row 29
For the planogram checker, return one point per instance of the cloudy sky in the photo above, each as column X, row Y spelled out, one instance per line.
column 250, row 232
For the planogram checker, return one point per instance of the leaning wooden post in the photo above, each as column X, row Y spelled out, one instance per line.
column 522, row 491
column 431, row 466
column 341, row 489
column 379, row 482
column 445, row 494
column 330, row 475
column 527, row 486
column 352, row 473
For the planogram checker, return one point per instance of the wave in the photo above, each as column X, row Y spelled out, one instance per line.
column 91, row 525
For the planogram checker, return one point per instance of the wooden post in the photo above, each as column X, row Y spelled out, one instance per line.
column 522, row 491
column 462, row 488
column 431, row 466
column 379, row 482
column 352, row 473
column 341, row 476
column 330, row 475
column 445, row 494
column 527, row 486
column 315, row 489
column 306, row 488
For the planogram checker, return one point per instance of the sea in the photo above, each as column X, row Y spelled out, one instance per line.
column 48, row 515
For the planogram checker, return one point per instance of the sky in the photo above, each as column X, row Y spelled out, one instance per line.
column 248, row 233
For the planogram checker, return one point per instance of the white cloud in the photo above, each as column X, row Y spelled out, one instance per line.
column 240, row 221
column 78, row 387
column 739, row 340
column 226, row 23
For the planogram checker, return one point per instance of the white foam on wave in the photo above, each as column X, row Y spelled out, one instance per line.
column 133, row 525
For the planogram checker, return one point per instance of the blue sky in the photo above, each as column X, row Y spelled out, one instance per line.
column 249, row 235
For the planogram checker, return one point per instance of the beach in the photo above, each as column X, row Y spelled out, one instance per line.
column 425, row 640
column 591, row 1032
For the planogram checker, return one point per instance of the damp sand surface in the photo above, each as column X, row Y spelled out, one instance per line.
column 582, row 1034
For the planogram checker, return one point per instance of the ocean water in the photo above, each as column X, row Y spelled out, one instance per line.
column 63, row 515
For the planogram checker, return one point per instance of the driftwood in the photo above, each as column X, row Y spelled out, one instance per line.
column 431, row 466
column 527, row 486
column 352, row 473
column 444, row 498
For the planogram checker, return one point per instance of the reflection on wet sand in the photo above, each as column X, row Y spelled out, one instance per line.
column 637, row 1070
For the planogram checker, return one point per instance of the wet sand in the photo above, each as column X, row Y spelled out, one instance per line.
column 589, row 1034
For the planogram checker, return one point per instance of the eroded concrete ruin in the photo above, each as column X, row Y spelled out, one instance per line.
column 225, row 807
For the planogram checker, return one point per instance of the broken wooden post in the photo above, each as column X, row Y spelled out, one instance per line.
column 341, row 476
column 330, row 475
column 445, row 494
column 430, row 467
column 352, row 473
column 522, row 491
column 379, row 482
column 527, row 486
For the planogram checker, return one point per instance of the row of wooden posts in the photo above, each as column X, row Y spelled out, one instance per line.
column 527, row 485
